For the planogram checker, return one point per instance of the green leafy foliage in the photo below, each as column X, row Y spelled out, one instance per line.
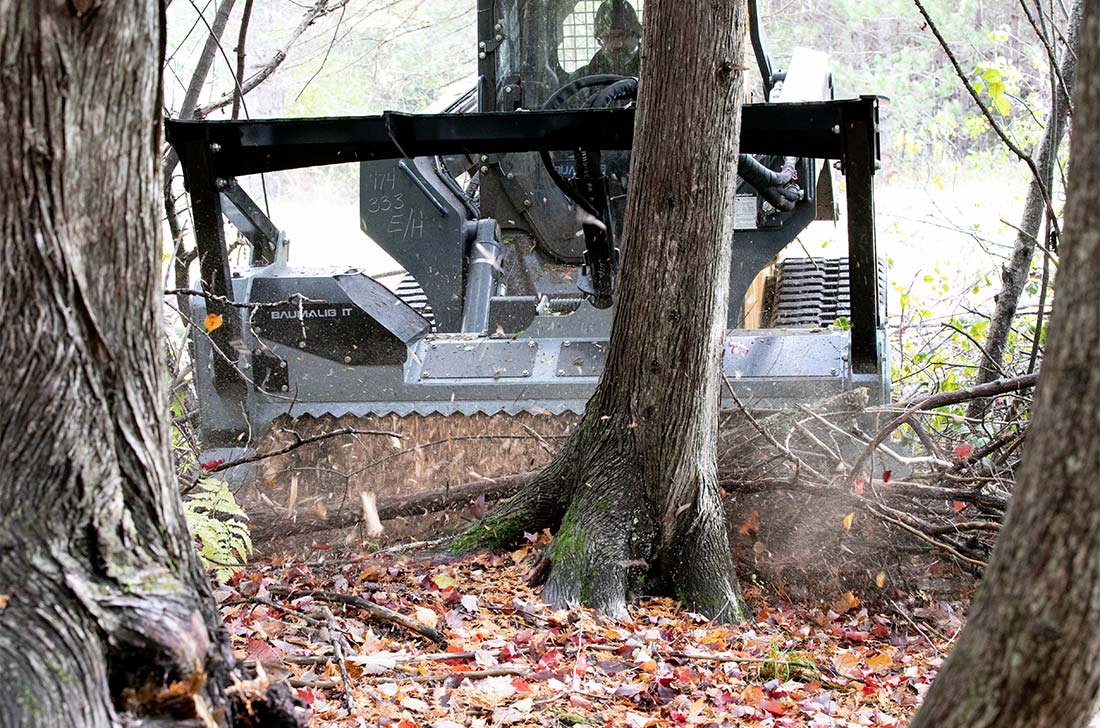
column 219, row 526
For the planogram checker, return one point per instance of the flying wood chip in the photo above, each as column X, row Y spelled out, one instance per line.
column 212, row 321
column 848, row 521
column 751, row 525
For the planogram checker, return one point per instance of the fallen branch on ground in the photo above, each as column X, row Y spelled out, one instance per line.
column 377, row 611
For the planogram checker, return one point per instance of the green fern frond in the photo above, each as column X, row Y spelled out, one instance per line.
column 218, row 525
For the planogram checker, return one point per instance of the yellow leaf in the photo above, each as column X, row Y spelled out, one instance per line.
column 848, row 521
column 443, row 581
column 880, row 579
column 212, row 321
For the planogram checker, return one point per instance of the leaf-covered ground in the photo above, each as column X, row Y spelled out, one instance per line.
column 508, row 660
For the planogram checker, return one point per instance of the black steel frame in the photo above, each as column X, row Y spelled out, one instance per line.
column 213, row 153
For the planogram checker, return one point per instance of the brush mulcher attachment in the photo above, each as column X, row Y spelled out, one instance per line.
column 505, row 213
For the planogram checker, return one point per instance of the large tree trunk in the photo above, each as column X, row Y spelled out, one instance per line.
column 1028, row 654
column 634, row 492
column 1015, row 273
column 104, row 601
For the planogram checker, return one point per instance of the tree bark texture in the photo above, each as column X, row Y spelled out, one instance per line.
column 105, row 603
column 1015, row 273
column 1028, row 653
column 634, row 493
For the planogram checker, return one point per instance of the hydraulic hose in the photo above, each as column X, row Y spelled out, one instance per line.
column 624, row 89
column 778, row 188
column 565, row 92
column 556, row 100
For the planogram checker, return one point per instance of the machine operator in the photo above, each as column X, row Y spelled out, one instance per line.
column 619, row 33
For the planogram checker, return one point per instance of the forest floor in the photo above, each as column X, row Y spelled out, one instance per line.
column 504, row 659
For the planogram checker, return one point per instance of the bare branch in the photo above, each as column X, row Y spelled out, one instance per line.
column 242, row 38
column 1012, row 146
column 319, row 9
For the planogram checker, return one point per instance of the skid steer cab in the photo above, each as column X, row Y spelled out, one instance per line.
column 504, row 212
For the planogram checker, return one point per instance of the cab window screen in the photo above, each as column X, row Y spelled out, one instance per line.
column 577, row 45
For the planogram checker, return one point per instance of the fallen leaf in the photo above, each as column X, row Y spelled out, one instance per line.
column 259, row 650
column 628, row 690
column 880, row 662
column 416, row 705
column 212, row 321
column 443, row 581
column 958, row 505
column 880, row 579
column 374, row 664
column 427, row 616
column 494, row 690
column 846, row 663
column 846, row 602
column 848, row 521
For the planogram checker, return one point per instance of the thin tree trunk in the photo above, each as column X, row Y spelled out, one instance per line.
column 198, row 78
column 1014, row 275
column 1028, row 653
column 635, row 489
column 183, row 257
column 105, row 601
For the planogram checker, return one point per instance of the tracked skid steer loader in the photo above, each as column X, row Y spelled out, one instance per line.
column 504, row 212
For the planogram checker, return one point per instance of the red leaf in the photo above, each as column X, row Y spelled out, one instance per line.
column 257, row 649
column 774, row 707
column 551, row 659
column 307, row 695
column 522, row 686
column 964, row 450
column 886, row 476
column 957, row 505
column 211, row 464
column 684, row 674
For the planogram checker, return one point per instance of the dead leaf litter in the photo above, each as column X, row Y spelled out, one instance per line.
column 506, row 659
